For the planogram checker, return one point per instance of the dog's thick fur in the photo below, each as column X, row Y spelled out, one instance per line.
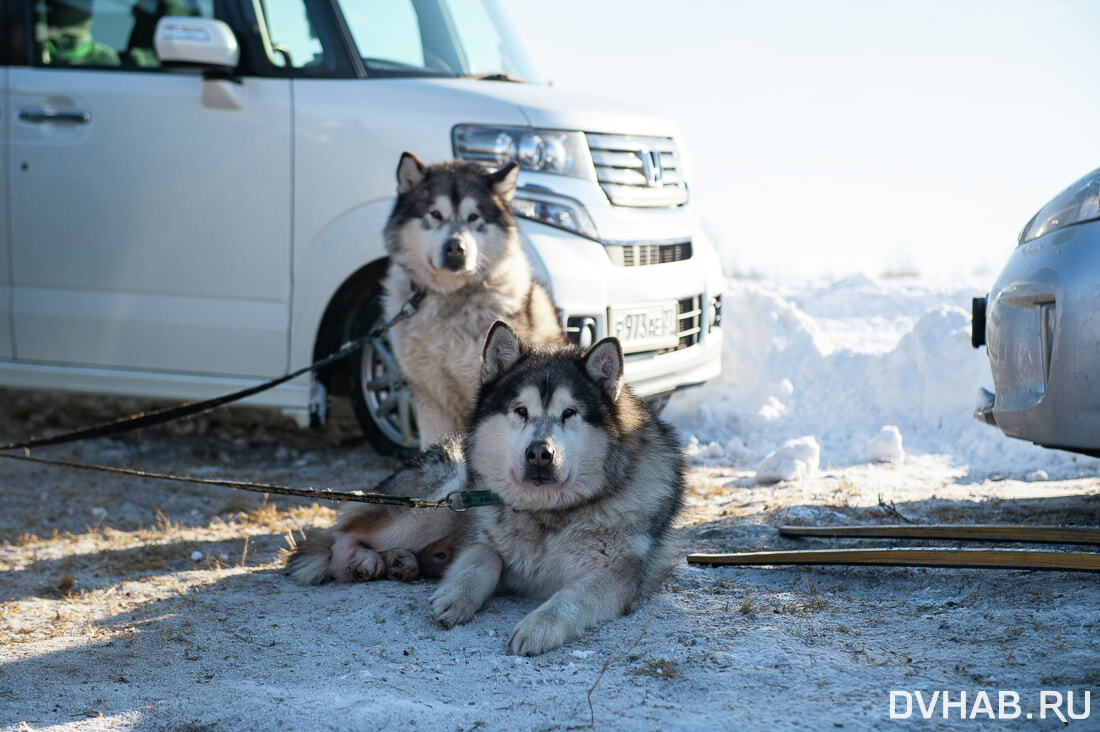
column 452, row 234
column 591, row 482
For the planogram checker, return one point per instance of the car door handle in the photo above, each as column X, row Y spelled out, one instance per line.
column 47, row 115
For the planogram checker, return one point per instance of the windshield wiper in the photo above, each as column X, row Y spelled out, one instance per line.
column 494, row 76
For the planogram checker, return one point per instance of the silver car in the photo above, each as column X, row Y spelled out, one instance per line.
column 1040, row 324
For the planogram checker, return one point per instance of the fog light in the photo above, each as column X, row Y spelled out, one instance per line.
column 715, row 312
column 581, row 330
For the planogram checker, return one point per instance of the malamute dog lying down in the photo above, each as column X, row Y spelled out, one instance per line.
column 453, row 236
column 590, row 479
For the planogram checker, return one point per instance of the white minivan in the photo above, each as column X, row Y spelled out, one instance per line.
column 194, row 192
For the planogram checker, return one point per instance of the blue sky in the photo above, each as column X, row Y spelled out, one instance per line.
column 835, row 137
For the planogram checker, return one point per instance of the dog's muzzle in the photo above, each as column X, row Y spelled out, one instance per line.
column 541, row 467
column 454, row 254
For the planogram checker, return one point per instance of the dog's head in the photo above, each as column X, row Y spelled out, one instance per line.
column 451, row 220
column 544, row 419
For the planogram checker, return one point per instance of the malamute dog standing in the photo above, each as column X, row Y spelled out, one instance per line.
column 452, row 236
column 590, row 480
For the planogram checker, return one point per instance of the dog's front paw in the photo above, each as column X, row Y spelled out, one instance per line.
column 541, row 631
column 452, row 604
column 359, row 564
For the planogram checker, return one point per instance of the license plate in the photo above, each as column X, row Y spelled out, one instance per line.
column 646, row 326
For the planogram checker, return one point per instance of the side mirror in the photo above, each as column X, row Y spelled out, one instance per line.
column 199, row 41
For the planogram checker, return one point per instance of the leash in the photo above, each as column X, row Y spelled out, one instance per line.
column 170, row 414
column 455, row 500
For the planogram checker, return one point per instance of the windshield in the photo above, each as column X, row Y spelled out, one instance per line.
column 436, row 38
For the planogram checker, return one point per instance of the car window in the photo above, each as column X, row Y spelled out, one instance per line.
column 106, row 33
column 435, row 38
column 296, row 38
column 387, row 32
column 481, row 39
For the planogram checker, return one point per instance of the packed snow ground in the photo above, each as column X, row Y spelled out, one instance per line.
column 135, row 604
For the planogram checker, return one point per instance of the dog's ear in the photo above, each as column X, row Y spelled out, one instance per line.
column 603, row 363
column 502, row 350
column 503, row 181
column 410, row 172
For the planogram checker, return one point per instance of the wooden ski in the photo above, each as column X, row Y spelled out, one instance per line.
column 973, row 532
column 910, row 557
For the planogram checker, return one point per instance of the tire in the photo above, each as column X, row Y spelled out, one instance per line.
column 381, row 399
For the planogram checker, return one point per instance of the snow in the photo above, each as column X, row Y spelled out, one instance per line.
column 844, row 360
column 886, row 447
column 793, row 460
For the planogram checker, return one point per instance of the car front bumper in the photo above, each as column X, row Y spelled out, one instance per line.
column 585, row 283
column 1042, row 333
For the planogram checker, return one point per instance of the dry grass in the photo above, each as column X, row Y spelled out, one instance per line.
column 801, row 607
column 62, row 589
column 664, row 669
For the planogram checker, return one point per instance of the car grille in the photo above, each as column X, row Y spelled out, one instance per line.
column 641, row 255
column 691, row 321
column 639, row 171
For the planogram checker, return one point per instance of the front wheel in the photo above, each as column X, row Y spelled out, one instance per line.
column 381, row 398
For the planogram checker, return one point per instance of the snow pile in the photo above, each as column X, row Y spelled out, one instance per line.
column 793, row 460
column 885, row 447
column 839, row 360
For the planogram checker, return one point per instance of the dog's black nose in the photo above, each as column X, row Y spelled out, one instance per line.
column 539, row 455
column 454, row 254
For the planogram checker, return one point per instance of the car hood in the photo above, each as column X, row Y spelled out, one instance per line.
column 548, row 107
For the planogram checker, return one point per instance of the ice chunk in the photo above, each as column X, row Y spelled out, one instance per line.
column 793, row 460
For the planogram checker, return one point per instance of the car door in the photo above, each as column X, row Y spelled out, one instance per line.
column 150, row 219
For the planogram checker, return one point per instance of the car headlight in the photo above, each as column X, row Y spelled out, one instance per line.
column 556, row 211
column 1078, row 203
column 540, row 151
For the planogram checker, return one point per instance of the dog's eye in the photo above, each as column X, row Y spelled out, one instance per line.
column 522, row 412
column 435, row 215
column 473, row 217
column 568, row 413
